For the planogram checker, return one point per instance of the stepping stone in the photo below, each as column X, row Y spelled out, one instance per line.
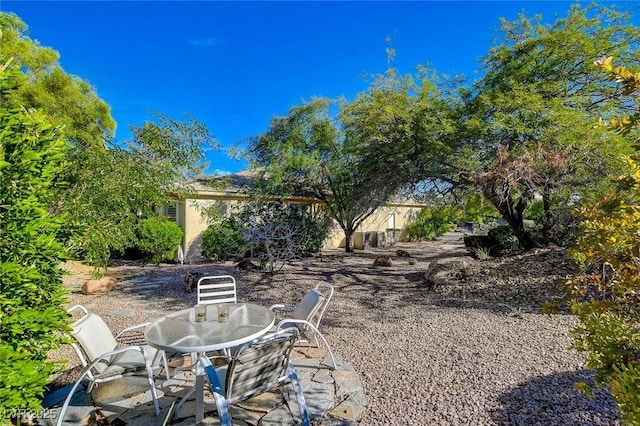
column 350, row 410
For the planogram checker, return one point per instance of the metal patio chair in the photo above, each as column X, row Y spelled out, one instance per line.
column 102, row 358
column 257, row 366
column 216, row 289
column 307, row 315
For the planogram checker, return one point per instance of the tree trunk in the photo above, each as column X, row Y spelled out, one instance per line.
column 348, row 240
column 514, row 215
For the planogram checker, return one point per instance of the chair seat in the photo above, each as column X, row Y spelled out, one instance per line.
column 128, row 361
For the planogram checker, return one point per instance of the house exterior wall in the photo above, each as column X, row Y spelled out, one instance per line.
column 196, row 223
column 385, row 219
column 193, row 222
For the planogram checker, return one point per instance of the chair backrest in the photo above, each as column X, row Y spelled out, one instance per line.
column 94, row 337
column 260, row 365
column 216, row 289
column 312, row 306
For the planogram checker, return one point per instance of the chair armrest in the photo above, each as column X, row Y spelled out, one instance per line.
column 287, row 307
column 82, row 308
column 133, row 327
column 133, row 335
column 293, row 321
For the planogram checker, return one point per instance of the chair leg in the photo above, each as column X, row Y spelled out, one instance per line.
column 299, row 395
column 223, row 410
column 152, row 388
column 166, row 364
column 326, row 344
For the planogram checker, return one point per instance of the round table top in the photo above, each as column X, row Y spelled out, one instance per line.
column 180, row 332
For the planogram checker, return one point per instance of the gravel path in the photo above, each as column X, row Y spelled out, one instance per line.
column 453, row 355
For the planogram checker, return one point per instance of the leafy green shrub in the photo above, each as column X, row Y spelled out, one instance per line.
column 433, row 222
column 605, row 295
column 32, row 317
column 504, row 242
column 223, row 240
column 560, row 228
column 158, row 238
column 264, row 229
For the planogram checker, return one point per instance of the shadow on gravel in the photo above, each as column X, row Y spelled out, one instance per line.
column 553, row 400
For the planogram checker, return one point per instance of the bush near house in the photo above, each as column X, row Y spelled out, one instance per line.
column 269, row 231
column 433, row 222
column 32, row 315
column 158, row 238
column 222, row 240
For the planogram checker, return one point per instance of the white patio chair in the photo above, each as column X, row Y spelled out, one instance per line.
column 307, row 315
column 258, row 366
column 216, row 289
column 99, row 352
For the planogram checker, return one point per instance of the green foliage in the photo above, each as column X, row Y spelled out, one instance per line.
column 358, row 159
column 106, row 184
column 481, row 253
column 66, row 100
column 158, row 238
column 32, row 156
column 222, row 240
column 119, row 184
column 433, row 222
column 475, row 208
column 559, row 227
column 270, row 231
column 605, row 293
column 526, row 125
column 503, row 237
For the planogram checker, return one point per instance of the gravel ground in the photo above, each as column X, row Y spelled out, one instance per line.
column 475, row 351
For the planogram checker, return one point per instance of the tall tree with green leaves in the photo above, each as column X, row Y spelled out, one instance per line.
column 357, row 159
column 32, row 315
column 525, row 126
column 124, row 183
column 67, row 100
column 109, row 185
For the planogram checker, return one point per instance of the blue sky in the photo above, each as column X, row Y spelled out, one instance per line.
column 236, row 65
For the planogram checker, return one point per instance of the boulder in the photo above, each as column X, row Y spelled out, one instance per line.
column 103, row 285
column 191, row 281
column 402, row 253
column 382, row 261
column 442, row 270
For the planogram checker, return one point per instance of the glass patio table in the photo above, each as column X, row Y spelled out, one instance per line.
column 179, row 332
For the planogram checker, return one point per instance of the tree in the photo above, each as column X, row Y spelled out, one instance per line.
column 68, row 101
column 109, row 186
column 606, row 295
column 526, row 125
column 32, row 317
column 358, row 159
column 125, row 183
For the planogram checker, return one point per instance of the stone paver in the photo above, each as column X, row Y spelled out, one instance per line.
column 333, row 397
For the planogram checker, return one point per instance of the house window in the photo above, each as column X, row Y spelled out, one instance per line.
column 391, row 221
column 171, row 211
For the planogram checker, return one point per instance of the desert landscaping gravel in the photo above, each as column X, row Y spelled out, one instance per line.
column 476, row 350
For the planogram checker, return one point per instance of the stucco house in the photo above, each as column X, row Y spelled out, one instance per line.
column 387, row 225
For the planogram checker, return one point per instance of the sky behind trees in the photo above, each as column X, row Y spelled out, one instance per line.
column 236, row 65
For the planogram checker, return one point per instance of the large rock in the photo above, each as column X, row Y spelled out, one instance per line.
column 440, row 271
column 191, row 281
column 103, row 285
column 382, row 261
